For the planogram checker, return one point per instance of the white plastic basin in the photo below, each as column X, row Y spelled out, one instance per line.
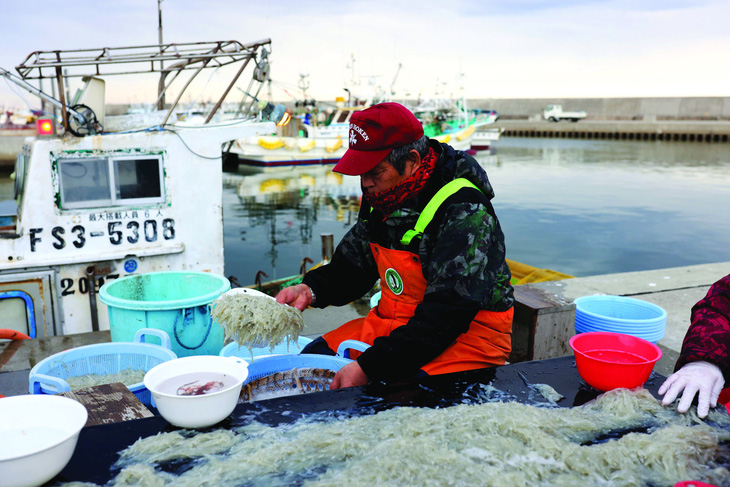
column 38, row 435
column 202, row 410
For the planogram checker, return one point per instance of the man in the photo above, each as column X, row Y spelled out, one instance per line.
column 704, row 361
column 427, row 229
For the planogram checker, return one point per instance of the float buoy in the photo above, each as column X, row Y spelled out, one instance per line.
column 12, row 335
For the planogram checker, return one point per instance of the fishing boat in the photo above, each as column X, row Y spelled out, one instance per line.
column 318, row 134
column 15, row 126
column 307, row 144
column 307, row 139
column 99, row 197
column 450, row 121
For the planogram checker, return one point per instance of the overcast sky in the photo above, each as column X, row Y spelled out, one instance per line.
column 488, row 48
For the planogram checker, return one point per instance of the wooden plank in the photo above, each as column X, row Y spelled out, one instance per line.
column 109, row 403
column 542, row 325
column 552, row 333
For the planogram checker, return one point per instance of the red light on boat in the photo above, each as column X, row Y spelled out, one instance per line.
column 46, row 126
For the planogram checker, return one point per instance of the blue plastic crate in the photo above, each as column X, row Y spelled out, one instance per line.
column 266, row 366
column 48, row 376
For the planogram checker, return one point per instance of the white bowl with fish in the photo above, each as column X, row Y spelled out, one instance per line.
column 38, row 435
column 196, row 391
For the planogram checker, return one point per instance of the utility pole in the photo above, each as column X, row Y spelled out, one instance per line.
column 161, row 87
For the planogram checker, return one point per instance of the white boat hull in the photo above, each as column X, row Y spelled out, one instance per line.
column 271, row 151
column 485, row 138
column 286, row 151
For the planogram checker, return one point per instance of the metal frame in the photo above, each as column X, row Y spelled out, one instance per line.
column 194, row 56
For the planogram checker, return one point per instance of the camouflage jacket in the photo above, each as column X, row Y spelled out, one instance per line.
column 708, row 336
column 462, row 253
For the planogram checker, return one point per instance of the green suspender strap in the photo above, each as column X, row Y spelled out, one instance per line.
column 429, row 211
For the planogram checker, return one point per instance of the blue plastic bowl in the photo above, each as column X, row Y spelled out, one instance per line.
column 619, row 314
column 620, row 309
column 651, row 335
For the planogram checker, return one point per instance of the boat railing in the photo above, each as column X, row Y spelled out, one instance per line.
column 166, row 59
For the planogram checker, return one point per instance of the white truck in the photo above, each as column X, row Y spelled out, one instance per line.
column 555, row 113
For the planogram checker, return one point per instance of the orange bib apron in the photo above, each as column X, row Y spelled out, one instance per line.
column 486, row 343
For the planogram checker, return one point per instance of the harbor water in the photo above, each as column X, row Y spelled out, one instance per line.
column 582, row 207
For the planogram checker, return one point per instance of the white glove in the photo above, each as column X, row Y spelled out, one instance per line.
column 691, row 378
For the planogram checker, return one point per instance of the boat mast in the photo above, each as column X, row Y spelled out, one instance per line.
column 161, row 86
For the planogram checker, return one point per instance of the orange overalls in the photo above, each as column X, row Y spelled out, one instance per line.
column 486, row 343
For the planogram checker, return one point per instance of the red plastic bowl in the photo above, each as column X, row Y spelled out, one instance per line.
column 611, row 360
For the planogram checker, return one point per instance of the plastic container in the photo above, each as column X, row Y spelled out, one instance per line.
column 724, row 399
column 285, row 348
column 196, row 411
column 583, row 327
column 38, row 436
column 611, row 360
column 619, row 314
column 48, row 376
column 176, row 302
column 269, row 365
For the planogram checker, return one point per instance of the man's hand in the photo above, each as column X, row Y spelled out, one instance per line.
column 299, row 296
column 702, row 377
column 348, row 376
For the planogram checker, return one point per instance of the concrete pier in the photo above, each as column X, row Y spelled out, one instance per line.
column 674, row 289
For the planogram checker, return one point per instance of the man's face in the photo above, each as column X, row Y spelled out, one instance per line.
column 384, row 176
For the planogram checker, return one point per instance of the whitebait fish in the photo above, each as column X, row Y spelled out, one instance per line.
column 257, row 320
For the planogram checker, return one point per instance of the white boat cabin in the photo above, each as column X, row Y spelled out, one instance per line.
column 112, row 197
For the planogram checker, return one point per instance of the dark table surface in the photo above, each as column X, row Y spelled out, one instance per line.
column 99, row 446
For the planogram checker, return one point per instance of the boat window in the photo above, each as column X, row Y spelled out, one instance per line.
column 110, row 182
column 138, row 178
column 84, row 183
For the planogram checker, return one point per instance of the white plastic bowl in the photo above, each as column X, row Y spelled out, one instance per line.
column 196, row 411
column 38, row 435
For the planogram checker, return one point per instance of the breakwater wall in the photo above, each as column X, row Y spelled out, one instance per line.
column 683, row 119
column 709, row 108
column 679, row 131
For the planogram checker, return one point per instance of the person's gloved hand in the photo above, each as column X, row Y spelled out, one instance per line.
column 691, row 378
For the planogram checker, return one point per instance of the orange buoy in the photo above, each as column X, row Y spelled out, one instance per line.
column 13, row 334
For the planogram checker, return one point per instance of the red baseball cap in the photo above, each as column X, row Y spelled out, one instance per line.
column 374, row 132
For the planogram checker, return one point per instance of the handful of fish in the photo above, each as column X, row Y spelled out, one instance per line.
column 287, row 383
column 254, row 319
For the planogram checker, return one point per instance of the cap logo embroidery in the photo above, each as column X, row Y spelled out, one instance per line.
column 354, row 128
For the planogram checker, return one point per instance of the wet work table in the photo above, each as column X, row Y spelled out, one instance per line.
column 99, row 446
